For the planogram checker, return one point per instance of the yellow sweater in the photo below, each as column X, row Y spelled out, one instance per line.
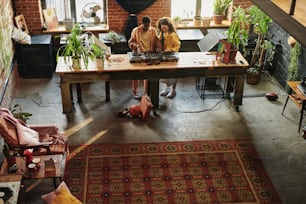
column 172, row 42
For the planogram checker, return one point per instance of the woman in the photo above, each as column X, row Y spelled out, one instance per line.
column 170, row 43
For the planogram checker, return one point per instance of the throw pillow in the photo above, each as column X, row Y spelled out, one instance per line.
column 27, row 136
column 20, row 37
column 61, row 194
column 65, row 197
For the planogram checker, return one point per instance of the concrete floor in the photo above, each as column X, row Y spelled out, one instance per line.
column 186, row 117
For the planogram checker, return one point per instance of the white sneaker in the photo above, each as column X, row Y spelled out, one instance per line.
column 165, row 92
column 171, row 94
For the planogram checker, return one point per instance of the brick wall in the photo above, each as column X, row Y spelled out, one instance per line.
column 7, row 80
column 117, row 16
column 31, row 9
column 279, row 70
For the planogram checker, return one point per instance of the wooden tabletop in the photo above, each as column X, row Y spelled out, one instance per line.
column 294, row 86
column 120, row 62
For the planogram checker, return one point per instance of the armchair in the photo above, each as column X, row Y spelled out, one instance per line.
column 44, row 139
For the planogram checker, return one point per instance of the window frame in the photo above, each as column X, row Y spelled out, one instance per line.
column 197, row 10
column 71, row 13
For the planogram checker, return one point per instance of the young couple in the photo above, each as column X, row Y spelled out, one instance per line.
column 163, row 38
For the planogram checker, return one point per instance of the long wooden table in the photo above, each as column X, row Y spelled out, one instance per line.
column 190, row 64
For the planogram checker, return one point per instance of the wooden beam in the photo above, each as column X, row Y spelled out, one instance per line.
column 283, row 19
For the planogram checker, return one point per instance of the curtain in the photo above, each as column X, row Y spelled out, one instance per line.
column 133, row 7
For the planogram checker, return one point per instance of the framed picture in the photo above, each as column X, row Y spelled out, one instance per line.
column 21, row 23
column 50, row 18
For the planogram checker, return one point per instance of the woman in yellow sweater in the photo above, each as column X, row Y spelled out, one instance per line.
column 170, row 43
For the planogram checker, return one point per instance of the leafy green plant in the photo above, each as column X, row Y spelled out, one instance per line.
column 18, row 113
column 113, row 37
column 220, row 6
column 97, row 51
column 74, row 47
column 176, row 19
column 237, row 33
column 294, row 59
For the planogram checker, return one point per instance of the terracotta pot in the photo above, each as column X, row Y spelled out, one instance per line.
column 99, row 63
column 252, row 79
column 218, row 19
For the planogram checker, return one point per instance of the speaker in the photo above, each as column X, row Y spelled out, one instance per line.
column 36, row 60
column 211, row 40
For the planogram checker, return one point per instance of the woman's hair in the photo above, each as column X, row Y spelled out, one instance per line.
column 165, row 21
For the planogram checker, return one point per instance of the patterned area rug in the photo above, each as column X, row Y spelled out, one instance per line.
column 226, row 171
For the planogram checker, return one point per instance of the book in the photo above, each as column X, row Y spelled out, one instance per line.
column 49, row 166
column 223, row 51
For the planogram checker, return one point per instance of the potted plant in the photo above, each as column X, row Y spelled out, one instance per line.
column 18, row 113
column 176, row 20
column 237, row 34
column 74, row 48
column 113, row 37
column 294, row 59
column 220, row 7
column 260, row 23
column 98, row 53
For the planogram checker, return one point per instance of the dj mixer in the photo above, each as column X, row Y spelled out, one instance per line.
column 153, row 57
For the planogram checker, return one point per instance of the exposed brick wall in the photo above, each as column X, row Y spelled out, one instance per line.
column 6, row 53
column 31, row 9
column 117, row 16
column 242, row 3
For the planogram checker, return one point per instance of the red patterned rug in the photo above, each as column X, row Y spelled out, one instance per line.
column 227, row 171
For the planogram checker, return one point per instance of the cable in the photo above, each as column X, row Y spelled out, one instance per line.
column 213, row 108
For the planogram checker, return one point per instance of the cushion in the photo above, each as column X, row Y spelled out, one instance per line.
column 20, row 37
column 61, row 194
column 8, row 132
column 27, row 136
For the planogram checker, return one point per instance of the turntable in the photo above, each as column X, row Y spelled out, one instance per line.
column 135, row 57
column 153, row 56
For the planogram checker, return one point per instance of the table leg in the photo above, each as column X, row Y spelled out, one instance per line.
column 154, row 92
column 79, row 92
column 66, row 97
column 238, row 91
column 107, row 92
column 302, row 114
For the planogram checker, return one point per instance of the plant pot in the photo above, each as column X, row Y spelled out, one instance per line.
column 218, row 19
column 252, row 79
column 99, row 63
column 76, row 63
column 68, row 23
column 206, row 21
column 197, row 21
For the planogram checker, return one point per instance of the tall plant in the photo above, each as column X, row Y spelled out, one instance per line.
column 261, row 23
column 294, row 59
column 237, row 33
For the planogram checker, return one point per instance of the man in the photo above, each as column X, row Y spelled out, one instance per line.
column 143, row 39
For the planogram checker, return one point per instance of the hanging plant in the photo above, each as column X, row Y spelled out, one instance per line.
column 294, row 59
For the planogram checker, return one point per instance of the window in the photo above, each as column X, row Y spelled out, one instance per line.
column 188, row 11
column 83, row 11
